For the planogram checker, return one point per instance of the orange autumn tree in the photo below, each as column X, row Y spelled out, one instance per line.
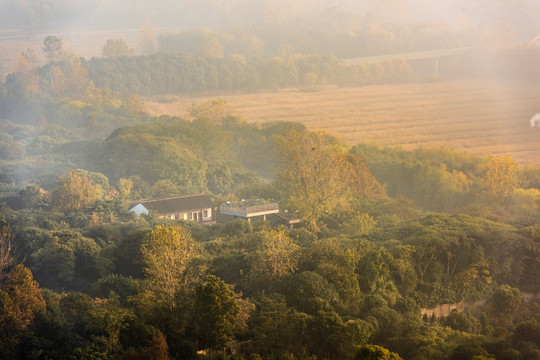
column 26, row 70
column 21, row 301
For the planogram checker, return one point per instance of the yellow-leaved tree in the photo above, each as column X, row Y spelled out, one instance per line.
column 69, row 79
column 169, row 254
column 276, row 255
column 500, row 178
column 319, row 177
column 75, row 191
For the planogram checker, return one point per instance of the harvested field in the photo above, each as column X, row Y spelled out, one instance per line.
column 481, row 116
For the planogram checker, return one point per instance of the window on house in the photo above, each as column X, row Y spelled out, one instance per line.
column 205, row 213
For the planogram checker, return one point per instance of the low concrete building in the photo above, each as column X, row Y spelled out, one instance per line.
column 249, row 209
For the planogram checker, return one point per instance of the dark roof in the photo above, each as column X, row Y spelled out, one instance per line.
column 177, row 204
column 289, row 217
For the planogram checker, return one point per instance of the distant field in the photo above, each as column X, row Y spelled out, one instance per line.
column 481, row 116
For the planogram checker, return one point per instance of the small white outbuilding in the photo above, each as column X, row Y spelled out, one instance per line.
column 139, row 209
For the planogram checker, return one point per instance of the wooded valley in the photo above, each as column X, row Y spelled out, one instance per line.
column 385, row 231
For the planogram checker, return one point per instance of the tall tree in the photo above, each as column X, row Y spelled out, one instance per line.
column 20, row 301
column 69, row 79
column 147, row 39
column 125, row 186
column 26, row 65
column 53, row 48
column 6, row 250
column 168, row 254
column 310, row 168
column 319, row 177
column 216, row 313
column 275, row 256
column 75, row 191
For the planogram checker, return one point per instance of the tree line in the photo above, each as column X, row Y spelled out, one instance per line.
column 182, row 73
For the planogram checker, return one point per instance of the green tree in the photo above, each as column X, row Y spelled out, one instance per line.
column 53, row 48
column 527, row 331
column 116, row 48
column 374, row 274
column 154, row 158
column 67, row 260
column 213, row 110
column 306, row 289
column 470, row 351
column 375, row 352
column 463, row 321
column 216, row 313
column 506, row 299
column 277, row 328
column 327, row 334
column 220, row 178
column 104, row 323
column 93, row 325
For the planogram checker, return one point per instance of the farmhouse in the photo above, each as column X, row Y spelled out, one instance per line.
column 197, row 207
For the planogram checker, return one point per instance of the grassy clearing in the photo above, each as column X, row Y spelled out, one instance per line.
column 481, row 116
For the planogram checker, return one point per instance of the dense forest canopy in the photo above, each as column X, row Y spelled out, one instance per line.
column 95, row 279
column 381, row 236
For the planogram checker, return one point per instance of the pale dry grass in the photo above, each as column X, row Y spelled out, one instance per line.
column 481, row 116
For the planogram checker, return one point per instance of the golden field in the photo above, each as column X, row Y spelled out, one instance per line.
column 481, row 116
